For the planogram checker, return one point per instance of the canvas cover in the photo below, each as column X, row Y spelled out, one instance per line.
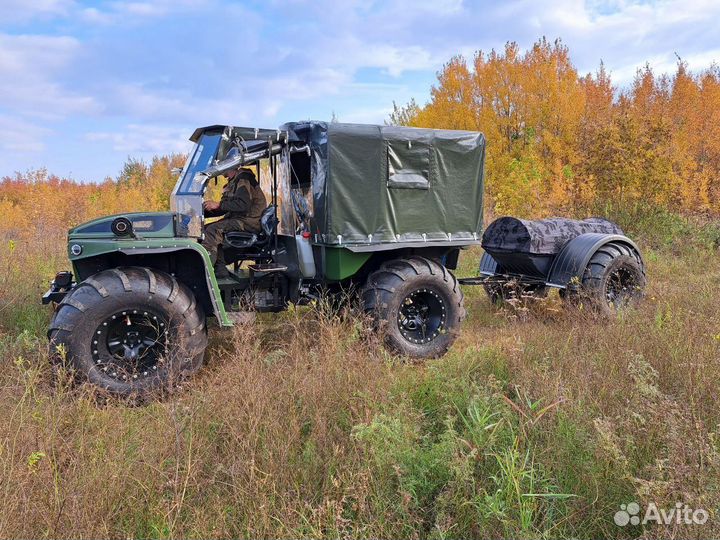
column 543, row 237
column 378, row 184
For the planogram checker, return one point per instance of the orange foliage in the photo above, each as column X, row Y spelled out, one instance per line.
column 561, row 143
column 37, row 209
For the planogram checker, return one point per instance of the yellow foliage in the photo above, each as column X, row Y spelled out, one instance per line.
column 561, row 143
column 37, row 209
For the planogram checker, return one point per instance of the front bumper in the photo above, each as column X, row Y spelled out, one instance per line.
column 59, row 288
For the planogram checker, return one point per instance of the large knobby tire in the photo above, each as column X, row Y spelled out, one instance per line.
column 130, row 331
column 613, row 280
column 419, row 303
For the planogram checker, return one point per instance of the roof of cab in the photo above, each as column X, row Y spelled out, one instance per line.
column 244, row 132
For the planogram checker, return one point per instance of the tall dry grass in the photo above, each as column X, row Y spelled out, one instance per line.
column 540, row 421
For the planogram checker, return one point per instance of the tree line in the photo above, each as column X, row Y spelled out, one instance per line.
column 559, row 142
column 38, row 204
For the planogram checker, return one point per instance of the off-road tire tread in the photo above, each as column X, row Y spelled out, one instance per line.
column 74, row 314
column 383, row 286
column 595, row 272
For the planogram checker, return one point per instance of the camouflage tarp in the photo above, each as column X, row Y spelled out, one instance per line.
column 542, row 237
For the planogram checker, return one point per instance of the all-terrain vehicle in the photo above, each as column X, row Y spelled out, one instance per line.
column 377, row 212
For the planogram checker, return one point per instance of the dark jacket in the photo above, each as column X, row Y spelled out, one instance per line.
column 243, row 199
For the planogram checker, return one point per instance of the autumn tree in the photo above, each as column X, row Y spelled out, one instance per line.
column 40, row 207
column 560, row 142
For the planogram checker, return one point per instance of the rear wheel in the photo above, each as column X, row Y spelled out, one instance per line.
column 130, row 331
column 420, row 303
column 613, row 280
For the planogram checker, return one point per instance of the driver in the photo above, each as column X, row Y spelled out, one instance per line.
column 241, row 205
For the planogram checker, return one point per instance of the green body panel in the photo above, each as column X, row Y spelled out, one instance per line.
column 93, row 246
column 341, row 263
column 146, row 225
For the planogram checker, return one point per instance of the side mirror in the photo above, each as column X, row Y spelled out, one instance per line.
column 175, row 171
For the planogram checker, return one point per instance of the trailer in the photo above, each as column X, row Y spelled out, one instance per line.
column 589, row 261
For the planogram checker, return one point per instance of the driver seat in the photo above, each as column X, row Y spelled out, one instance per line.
column 249, row 245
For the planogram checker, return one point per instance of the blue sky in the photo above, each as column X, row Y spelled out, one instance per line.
column 85, row 85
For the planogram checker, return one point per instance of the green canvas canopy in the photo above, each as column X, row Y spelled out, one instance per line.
column 387, row 184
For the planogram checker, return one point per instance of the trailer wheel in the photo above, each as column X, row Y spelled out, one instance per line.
column 130, row 331
column 613, row 280
column 420, row 304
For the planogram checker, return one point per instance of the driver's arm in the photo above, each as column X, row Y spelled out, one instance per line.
column 209, row 213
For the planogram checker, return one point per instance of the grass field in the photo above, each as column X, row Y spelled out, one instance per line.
column 540, row 422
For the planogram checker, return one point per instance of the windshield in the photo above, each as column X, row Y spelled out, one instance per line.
column 187, row 196
column 202, row 158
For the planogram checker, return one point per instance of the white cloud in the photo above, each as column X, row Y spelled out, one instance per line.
column 143, row 9
column 245, row 99
column 144, row 139
column 29, row 67
column 376, row 115
column 123, row 11
column 95, row 16
column 626, row 35
column 19, row 136
column 158, row 68
column 24, row 10
column 392, row 59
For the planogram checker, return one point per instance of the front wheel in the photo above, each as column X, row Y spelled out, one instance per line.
column 420, row 303
column 130, row 331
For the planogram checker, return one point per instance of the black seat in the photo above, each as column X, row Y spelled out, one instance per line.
column 242, row 239
column 249, row 245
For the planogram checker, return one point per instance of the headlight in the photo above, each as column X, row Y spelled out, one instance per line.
column 121, row 226
column 76, row 249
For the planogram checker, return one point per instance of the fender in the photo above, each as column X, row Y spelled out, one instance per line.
column 488, row 265
column 576, row 254
column 96, row 247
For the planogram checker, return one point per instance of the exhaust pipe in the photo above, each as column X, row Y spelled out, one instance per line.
column 244, row 158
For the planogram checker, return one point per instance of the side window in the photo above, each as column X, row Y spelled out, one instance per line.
column 408, row 164
column 300, row 170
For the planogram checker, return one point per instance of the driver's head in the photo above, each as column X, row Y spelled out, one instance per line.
column 242, row 172
column 232, row 153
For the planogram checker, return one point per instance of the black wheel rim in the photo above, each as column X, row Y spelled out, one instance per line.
column 422, row 315
column 622, row 287
column 130, row 344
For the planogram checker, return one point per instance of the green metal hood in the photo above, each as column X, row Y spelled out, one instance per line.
column 145, row 225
